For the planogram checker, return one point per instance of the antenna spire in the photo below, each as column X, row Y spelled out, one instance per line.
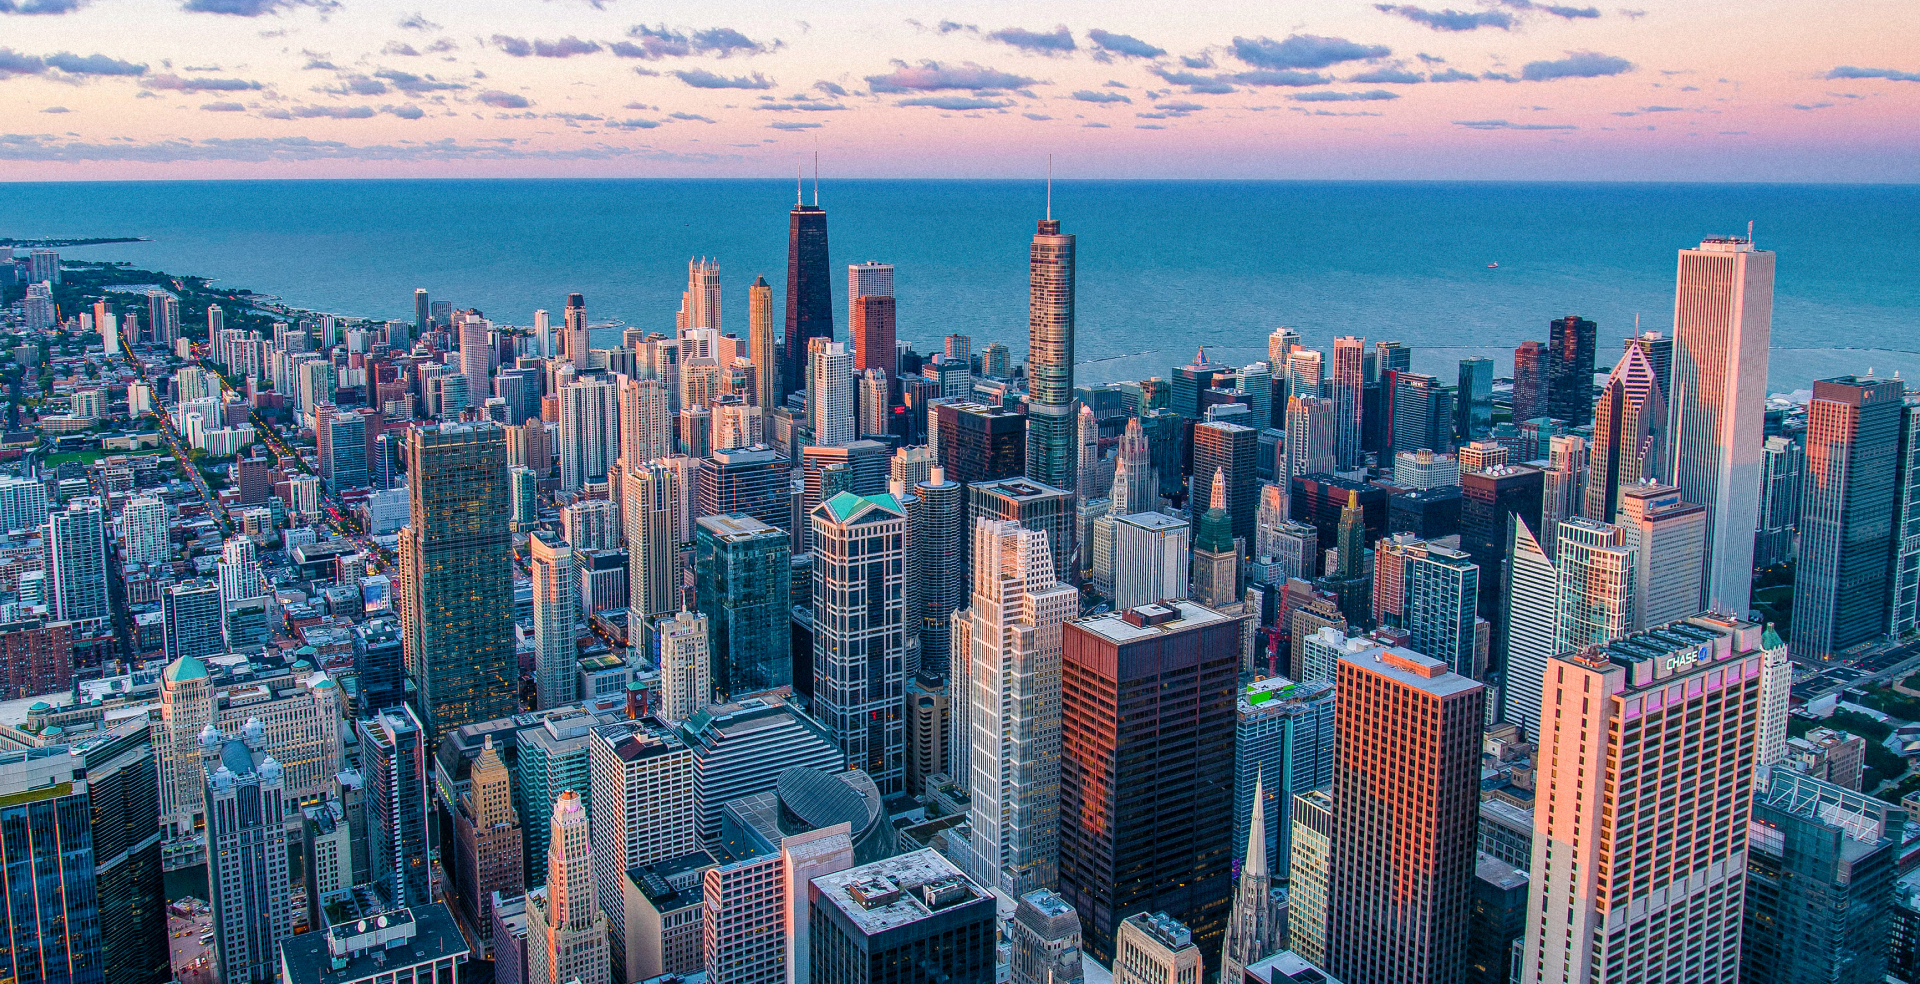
column 816, row 179
column 797, row 199
column 1049, row 187
column 1749, row 232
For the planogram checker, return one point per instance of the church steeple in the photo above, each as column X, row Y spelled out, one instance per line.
column 1253, row 927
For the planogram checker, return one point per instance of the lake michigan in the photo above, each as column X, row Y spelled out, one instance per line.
column 1164, row 266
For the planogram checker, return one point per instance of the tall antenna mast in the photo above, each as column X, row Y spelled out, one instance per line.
column 797, row 199
column 816, row 179
column 1749, row 232
column 1049, row 187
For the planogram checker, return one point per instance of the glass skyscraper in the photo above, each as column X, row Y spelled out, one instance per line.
column 46, row 843
column 809, row 290
column 743, row 577
column 1050, row 420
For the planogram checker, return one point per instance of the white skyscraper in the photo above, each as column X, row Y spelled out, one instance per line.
column 566, row 931
column 1532, row 595
column 641, row 777
column 1637, row 875
column 476, row 358
column 1150, row 558
column 76, row 545
column 556, row 609
column 646, row 426
column 1311, row 437
column 652, row 516
column 686, row 665
column 1722, row 325
column 830, row 393
column 589, row 430
column 143, row 529
column 700, row 305
column 1012, row 640
column 239, row 570
column 869, row 279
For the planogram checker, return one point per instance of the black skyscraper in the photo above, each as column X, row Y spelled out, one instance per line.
column 1570, row 369
column 809, row 289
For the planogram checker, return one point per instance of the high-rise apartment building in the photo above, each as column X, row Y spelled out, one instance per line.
column 394, row 758
column 742, row 580
column 1405, row 802
column 1597, row 589
column 1847, row 534
column 192, row 623
column 871, row 328
column 1050, row 325
column 143, row 527
column 1152, row 685
column 1564, row 483
column 247, row 873
column 700, row 303
column 652, row 518
column 76, row 548
column 686, row 665
column 763, row 346
column 556, row 614
column 1722, row 325
column 939, row 540
column 809, row 289
column 977, row 443
column 1669, row 540
column 1310, row 448
column 1530, row 381
column 1570, row 352
column 589, row 429
column 1009, row 673
column 574, row 342
column 859, row 631
column 456, row 575
column 567, row 933
column 646, row 425
column 1442, row 602
column 830, row 409
column 1633, row 872
column 1348, row 379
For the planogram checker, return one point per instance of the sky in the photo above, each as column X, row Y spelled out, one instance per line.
column 1716, row 90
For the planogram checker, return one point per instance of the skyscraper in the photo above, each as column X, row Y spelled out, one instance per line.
column 143, row 527
column 456, row 574
column 1565, row 483
column 830, row 394
column 1570, row 350
column 652, row 518
column 1782, row 467
column 1723, row 321
column 1628, row 426
column 1903, row 594
column 872, row 331
column 1530, row 381
column 44, row 830
column 1216, row 557
column 1153, row 685
column 1847, row 514
column 477, row 358
column 76, row 546
column 556, row 610
column 422, row 312
column 1135, row 487
column 1473, row 403
column 1150, row 559
column 1232, row 450
column 1422, row 413
column 686, row 665
column 870, row 279
column 977, row 443
column 1443, row 596
column 1596, row 585
column 394, row 761
column 809, row 287
column 1050, row 316
column 1669, row 540
column 1488, row 500
column 1405, row 802
column 247, row 884
column 573, row 339
column 1527, row 607
column 1348, row 378
column 1011, row 677
column 939, row 539
column 859, row 635
column 1615, row 835
column 642, row 810
column 191, row 614
column 566, row 931
column 646, row 426
column 700, row 304
column 1034, row 506
column 1310, row 447
column 487, row 840
column 1283, row 744
column 742, row 579
column 763, row 345
column 590, row 421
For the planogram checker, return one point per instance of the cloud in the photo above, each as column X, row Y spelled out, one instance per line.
column 1387, row 75
column 56, row 110
column 1148, row 126
column 175, row 83
column 794, row 125
column 1095, row 126
column 1289, row 78
column 1449, row 19
column 949, row 27
column 503, row 100
column 406, row 112
column 399, row 49
column 691, row 116
column 830, row 88
column 1577, row 65
column 1808, row 107
column 661, row 41
column 222, row 107
column 1197, row 84
column 28, row 147
column 1452, row 75
column 1201, row 60
column 517, row 47
column 1178, row 108
column 1088, row 95
column 415, row 84
column 318, row 64
column 931, row 76
column 95, row 64
column 1891, row 75
column 1304, row 51
column 357, row 85
column 634, row 124
column 333, row 112
column 1059, row 41
column 1504, row 125
column 250, row 8
column 1125, row 45
column 700, row 78
column 956, row 102
column 14, row 63
column 39, row 7
column 1571, row 13
column 800, row 103
column 565, row 47
column 1037, row 117
column 417, row 22
column 1371, row 95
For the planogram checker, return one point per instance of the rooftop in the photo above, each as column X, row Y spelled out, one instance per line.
column 1411, row 669
column 899, row 891
column 1160, row 619
column 368, row 948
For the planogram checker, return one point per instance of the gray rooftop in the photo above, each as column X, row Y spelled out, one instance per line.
column 410, row 937
column 887, row 895
column 1411, row 669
